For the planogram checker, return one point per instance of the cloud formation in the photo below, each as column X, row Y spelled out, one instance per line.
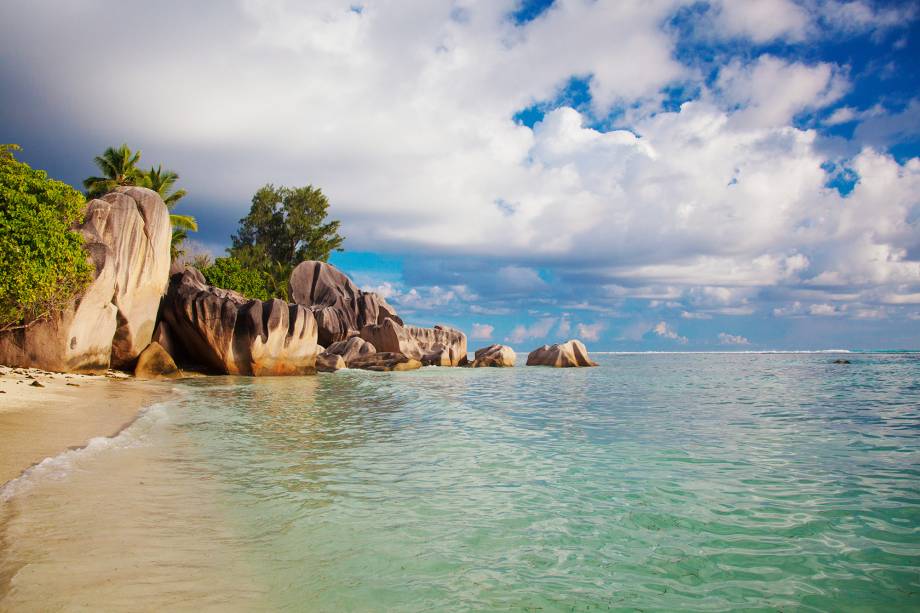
column 677, row 186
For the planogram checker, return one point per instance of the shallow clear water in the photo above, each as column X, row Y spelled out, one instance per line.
column 655, row 482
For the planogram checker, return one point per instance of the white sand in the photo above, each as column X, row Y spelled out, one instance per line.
column 65, row 412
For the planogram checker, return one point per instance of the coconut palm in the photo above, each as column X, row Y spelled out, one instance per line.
column 118, row 166
column 162, row 181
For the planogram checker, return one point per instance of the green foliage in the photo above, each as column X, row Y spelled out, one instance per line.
column 42, row 261
column 231, row 273
column 118, row 166
column 284, row 227
column 162, row 181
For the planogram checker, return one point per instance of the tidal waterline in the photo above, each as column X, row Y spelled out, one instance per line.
column 691, row 482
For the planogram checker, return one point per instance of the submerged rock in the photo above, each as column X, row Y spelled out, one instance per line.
column 500, row 356
column 563, row 355
column 340, row 307
column 385, row 361
column 841, row 361
column 225, row 332
column 127, row 236
column 155, row 363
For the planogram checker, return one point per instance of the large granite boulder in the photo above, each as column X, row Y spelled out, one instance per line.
column 354, row 347
column 385, row 361
column 155, row 363
column 340, row 307
column 438, row 346
column 223, row 331
column 127, row 236
column 501, row 356
column 562, row 355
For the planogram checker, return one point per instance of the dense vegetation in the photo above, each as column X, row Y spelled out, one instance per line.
column 42, row 261
column 229, row 273
column 284, row 227
column 119, row 166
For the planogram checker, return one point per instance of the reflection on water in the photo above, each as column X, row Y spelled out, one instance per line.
column 694, row 482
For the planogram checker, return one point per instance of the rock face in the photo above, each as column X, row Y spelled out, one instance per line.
column 351, row 349
column 340, row 307
column 329, row 362
column 385, row 361
column 438, row 346
column 127, row 234
column 564, row 355
column 155, row 363
column 223, row 331
column 500, row 356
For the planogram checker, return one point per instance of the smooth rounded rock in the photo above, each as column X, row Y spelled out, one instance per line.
column 562, row 355
column 499, row 356
column 155, row 363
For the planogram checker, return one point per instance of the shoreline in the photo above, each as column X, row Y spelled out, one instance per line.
column 64, row 412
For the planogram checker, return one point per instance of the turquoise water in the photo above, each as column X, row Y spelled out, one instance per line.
column 703, row 482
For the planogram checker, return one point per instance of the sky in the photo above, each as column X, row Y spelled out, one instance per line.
column 645, row 175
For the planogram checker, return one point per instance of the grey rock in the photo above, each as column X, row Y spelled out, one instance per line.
column 563, row 355
column 500, row 356
column 340, row 307
column 225, row 332
column 127, row 234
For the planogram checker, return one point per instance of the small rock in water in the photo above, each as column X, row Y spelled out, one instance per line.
column 841, row 361
column 37, row 384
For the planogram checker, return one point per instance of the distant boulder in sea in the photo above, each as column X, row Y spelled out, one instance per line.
column 127, row 234
column 223, row 331
column 563, row 355
column 501, row 356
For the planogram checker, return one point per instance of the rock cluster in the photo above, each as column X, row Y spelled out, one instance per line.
column 500, row 356
column 123, row 320
column 127, row 235
column 563, row 355
column 340, row 307
column 224, row 332
column 438, row 346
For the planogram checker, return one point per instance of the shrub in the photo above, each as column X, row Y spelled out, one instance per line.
column 42, row 261
column 230, row 273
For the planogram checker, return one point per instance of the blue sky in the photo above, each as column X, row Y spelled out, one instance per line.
column 642, row 175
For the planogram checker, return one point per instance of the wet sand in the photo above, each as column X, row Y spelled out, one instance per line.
column 64, row 413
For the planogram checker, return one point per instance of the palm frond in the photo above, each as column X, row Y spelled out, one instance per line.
column 184, row 222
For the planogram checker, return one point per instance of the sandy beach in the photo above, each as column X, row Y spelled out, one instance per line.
column 43, row 414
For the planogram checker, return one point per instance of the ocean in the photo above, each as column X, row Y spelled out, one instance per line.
column 691, row 482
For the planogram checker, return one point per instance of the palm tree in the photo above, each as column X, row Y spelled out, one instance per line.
column 162, row 181
column 118, row 166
